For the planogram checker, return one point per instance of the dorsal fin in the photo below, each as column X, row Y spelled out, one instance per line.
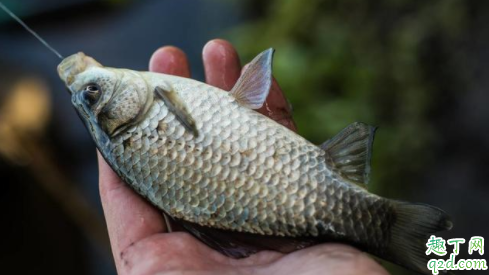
column 253, row 86
column 349, row 152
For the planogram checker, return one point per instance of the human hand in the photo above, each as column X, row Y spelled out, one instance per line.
column 141, row 243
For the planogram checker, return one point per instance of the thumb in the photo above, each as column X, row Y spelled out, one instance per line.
column 336, row 259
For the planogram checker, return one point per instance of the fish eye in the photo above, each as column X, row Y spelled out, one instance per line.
column 91, row 93
column 92, row 88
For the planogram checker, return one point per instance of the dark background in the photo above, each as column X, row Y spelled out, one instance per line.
column 416, row 69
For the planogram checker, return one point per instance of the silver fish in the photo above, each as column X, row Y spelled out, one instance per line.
column 236, row 179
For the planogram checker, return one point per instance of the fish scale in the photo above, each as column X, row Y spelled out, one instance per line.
column 175, row 155
column 237, row 180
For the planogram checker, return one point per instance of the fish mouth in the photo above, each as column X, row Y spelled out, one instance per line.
column 73, row 65
column 99, row 136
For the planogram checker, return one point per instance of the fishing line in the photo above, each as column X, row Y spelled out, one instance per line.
column 30, row 30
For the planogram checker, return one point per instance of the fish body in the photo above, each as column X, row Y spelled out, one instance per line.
column 205, row 157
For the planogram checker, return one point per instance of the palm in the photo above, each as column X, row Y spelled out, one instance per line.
column 140, row 241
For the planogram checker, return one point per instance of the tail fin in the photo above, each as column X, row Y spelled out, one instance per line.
column 410, row 232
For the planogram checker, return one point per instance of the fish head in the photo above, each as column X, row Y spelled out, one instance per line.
column 108, row 100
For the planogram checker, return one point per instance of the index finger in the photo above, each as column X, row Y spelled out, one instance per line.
column 169, row 60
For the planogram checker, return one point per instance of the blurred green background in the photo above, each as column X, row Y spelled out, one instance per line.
column 373, row 61
column 416, row 69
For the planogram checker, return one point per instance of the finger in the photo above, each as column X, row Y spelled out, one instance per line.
column 129, row 218
column 221, row 64
column 170, row 60
column 164, row 253
column 337, row 258
column 278, row 108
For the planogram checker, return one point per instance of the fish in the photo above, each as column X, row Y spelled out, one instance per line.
column 232, row 177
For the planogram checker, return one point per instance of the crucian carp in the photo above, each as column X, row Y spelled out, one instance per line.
column 235, row 179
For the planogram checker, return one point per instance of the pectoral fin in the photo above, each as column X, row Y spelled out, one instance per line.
column 253, row 86
column 349, row 152
column 178, row 108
